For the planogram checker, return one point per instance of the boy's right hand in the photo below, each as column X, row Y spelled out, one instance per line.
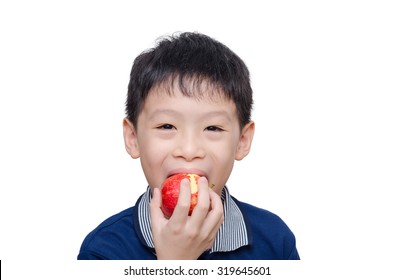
column 182, row 236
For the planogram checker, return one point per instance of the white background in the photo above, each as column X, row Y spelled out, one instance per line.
column 322, row 157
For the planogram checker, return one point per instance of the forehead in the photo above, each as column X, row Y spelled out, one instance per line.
column 207, row 101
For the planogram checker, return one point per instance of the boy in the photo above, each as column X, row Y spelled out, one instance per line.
column 188, row 111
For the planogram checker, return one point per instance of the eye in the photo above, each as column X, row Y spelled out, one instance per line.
column 214, row 128
column 166, row 127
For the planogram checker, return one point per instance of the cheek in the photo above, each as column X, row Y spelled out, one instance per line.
column 148, row 144
column 152, row 156
column 225, row 149
column 223, row 156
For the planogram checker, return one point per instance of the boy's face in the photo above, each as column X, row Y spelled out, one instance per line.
column 180, row 134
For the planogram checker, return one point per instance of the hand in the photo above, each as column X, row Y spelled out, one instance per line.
column 182, row 236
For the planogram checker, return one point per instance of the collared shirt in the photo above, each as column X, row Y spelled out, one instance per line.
column 256, row 233
column 231, row 235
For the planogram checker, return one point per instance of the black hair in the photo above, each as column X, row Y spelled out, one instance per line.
column 191, row 59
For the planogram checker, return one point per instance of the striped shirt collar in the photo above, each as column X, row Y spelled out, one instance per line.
column 231, row 235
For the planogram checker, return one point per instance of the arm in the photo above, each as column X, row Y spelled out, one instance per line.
column 183, row 236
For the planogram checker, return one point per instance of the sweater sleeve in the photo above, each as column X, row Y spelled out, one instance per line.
column 294, row 255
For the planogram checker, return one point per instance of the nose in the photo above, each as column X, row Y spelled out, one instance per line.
column 189, row 146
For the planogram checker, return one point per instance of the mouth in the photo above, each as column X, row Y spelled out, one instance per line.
column 187, row 171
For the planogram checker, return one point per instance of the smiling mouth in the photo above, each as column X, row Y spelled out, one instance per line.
column 200, row 173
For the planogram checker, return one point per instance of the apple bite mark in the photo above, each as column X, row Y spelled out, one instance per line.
column 193, row 182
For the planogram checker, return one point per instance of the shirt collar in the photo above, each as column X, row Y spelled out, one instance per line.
column 231, row 235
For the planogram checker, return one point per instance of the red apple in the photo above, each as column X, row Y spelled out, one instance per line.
column 170, row 189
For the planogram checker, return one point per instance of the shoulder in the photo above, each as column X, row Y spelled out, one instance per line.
column 117, row 238
column 116, row 222
column 268, row 230
column 260, row 216
column 107, row 237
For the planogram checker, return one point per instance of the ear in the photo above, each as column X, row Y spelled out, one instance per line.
column 130, row 139
column 245, row 140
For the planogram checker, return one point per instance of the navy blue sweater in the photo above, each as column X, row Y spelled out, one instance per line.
column 120, row 238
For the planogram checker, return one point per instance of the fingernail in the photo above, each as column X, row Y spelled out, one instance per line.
column 202, row 180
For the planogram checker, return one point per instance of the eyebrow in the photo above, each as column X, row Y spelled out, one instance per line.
column 164, row 112
column 219, row 113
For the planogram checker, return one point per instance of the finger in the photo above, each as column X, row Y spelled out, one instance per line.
column 155, row 205
column 180, row 213
column 215, row 216
column 217, row 208
column 202, row 208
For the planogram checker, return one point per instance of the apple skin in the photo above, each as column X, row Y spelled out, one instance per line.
column 170, row 189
